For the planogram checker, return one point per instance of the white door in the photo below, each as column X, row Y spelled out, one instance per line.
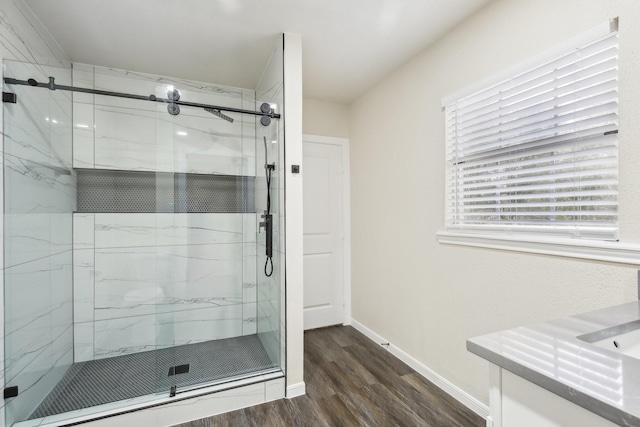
column 323, row 234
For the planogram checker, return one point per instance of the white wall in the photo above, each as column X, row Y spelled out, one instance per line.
column 325, row 118
column 428, row 298
column 293, row 209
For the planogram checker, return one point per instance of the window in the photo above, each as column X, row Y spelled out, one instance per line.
column 536, row 154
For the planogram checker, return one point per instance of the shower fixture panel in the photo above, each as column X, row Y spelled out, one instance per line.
column 267, row 224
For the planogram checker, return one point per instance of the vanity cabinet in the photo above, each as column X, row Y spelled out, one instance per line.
column 548, row 375
column 516, row 402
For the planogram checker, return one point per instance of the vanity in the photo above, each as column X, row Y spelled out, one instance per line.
column 579, row 371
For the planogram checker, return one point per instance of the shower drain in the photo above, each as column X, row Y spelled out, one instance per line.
column 179, row 369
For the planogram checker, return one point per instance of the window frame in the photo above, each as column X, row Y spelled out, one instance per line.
column 601, row 250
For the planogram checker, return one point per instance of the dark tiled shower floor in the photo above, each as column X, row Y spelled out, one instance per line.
column 117, row 378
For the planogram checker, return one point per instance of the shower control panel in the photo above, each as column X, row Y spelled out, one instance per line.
column 268, row 227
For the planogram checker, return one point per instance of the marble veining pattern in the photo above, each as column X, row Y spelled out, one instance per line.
column 22, row 39
column 154, row 276
column 151, row 332
column 155, row 80
column 35, row 311
column 192, row 142
column 148, row 267
column 83, row 286
column 38, row 129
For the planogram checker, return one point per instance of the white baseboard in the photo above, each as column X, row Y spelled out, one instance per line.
column 295, row 390
column 456, row 392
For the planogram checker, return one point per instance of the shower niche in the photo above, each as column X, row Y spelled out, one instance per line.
column 133, row 248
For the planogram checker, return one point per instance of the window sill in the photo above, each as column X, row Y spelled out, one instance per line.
column 615, row 252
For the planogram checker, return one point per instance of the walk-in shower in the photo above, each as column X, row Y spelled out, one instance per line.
column 135, row 227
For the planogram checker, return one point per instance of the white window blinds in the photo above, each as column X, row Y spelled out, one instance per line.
column 537, row 153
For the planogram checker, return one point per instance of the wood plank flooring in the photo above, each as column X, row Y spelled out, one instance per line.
column 351, row 381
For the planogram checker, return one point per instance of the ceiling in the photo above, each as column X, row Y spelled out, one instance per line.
column 348, row 45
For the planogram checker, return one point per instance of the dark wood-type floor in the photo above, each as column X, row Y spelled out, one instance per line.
column 351, row 381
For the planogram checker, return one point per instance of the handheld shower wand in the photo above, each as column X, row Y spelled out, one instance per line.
column 267, row 216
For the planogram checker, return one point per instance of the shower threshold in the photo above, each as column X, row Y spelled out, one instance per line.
column 103, row 381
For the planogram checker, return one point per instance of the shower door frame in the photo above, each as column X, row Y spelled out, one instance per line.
column 273, row 385
column 273, row 380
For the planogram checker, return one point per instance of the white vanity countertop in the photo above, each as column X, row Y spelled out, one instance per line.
column 550, row 355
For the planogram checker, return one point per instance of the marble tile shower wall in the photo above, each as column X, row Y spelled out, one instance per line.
column 271, row 290
column 149, row 281
column 124, row 134
column 152, row 280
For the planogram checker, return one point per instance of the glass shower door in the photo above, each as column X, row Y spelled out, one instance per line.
column 270, row 151
column 209, row 306
column 39, row 198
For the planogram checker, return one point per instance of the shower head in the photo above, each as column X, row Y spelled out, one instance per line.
column 219, row 114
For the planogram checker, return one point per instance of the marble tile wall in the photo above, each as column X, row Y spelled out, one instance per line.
column 24, row 39
column 116, row 133
column 146, row 281
column 35, row 257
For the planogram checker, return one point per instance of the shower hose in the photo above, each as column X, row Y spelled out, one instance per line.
column 268, row 264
